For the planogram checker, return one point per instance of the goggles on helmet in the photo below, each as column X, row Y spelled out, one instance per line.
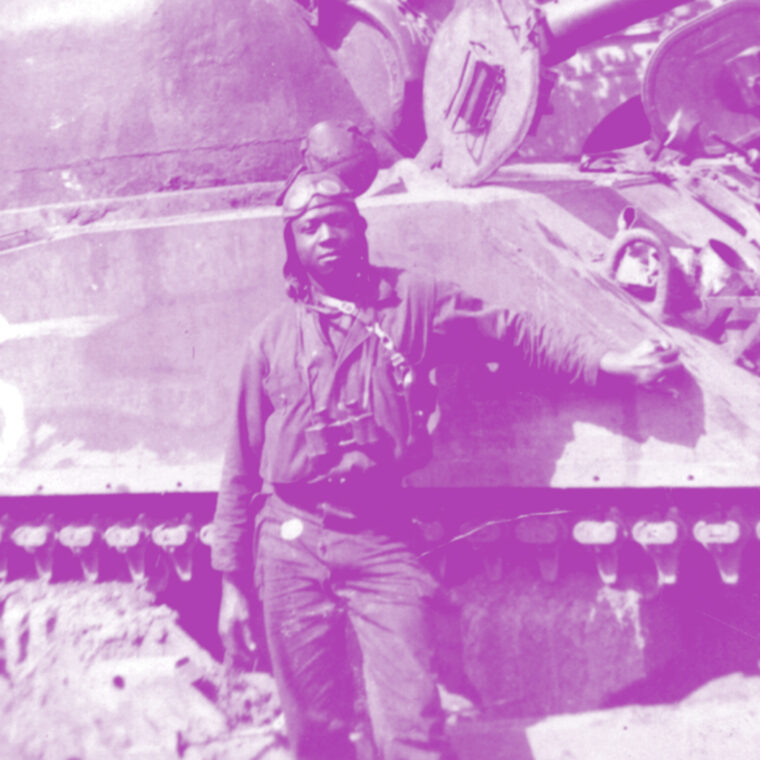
column 310, row 190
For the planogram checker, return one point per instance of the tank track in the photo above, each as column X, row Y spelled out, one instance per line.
column 135, row 537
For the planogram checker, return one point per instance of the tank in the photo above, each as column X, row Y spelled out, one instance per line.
column 137, row 252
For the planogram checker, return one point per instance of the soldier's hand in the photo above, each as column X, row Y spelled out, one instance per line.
column 235, row 624
column 648, row 363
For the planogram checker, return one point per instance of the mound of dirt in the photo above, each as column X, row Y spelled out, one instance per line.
column 100, row 671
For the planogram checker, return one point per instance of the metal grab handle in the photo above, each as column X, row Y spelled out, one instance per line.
column 481, row 86
column 629, row 234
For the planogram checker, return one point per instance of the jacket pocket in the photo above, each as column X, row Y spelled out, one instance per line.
column 283, row 388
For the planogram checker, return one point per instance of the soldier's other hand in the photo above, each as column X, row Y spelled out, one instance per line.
column 235, row 625
column 646, row 364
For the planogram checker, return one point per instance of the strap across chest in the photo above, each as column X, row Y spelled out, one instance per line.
column 360, row 322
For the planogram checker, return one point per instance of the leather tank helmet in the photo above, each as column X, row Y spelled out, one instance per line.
column 308, row 191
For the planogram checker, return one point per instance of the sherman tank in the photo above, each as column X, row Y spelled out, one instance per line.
column 552, row 157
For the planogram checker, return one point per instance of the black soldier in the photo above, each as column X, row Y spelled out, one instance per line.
column 330, row 415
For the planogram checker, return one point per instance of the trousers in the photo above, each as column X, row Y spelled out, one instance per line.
column 320, row 579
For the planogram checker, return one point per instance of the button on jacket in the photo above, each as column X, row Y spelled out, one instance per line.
column 300, row 359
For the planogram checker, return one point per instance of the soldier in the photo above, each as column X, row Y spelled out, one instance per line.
column 331, row 414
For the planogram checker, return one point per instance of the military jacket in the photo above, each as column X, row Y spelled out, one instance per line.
column 300, row 373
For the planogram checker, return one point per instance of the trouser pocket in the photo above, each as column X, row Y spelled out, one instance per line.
column 259, row 503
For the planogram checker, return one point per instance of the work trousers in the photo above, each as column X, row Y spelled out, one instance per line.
column 316, row 577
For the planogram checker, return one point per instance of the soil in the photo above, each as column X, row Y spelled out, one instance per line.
column 91, row 671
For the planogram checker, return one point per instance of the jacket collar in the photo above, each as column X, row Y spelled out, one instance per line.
column 382, row 292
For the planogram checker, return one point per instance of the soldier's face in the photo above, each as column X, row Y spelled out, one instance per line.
column 328, row 241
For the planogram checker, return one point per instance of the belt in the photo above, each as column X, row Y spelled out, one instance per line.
column 345, row 495
column 349, row 506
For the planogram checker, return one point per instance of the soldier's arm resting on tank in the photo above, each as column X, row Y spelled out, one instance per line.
column 464, row 327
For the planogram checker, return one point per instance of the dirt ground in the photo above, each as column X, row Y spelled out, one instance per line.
column 100, row 671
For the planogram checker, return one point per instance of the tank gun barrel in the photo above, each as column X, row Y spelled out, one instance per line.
column 570, row 24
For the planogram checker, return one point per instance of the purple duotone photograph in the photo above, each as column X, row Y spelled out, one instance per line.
column 380, row 380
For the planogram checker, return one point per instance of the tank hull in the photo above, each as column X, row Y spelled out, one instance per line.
column 122, row 340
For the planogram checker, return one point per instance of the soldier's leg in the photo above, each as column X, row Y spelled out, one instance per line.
column 389, row 608
column 305, row 629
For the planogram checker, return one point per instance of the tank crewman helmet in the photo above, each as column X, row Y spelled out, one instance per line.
column 310, row 190
column 338, row 147
column 341, row 148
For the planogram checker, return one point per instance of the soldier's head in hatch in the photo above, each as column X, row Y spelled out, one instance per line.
column 324, row 235
column 639, row 269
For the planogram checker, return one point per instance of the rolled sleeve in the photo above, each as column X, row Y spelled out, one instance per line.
column 231, row 549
